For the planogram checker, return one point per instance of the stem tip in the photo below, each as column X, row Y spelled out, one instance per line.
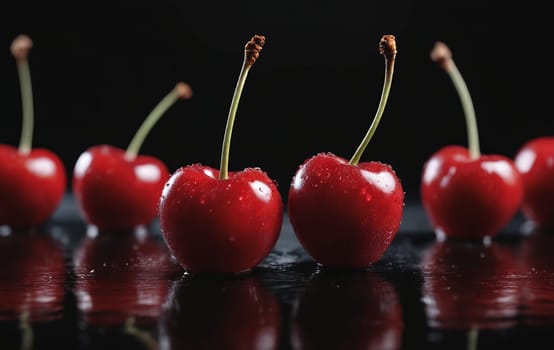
column 387, row 46
column 21, row 46
column 252, row 49
column 184, row 91
column 441, row 54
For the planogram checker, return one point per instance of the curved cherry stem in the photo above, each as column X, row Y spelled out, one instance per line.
column 389, row 71
column 27, row 334
column 442, row 55
column 469, row 111
column 144, row 337
column 472, row 338
column 225, row 148
column 252, row 51
column 180, row 91
column 20, row 48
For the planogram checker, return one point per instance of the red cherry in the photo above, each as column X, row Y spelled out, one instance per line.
column 365, row 313
column 115, row 192
column 345, row 215
column 120, row 190
column 470, row 285
column 348, row 213
column 535, row 161
column 122, row 278
column 469, row 198
column 221, row 313
column 32, row 186
column 466, row 194
column 237, row 219
column 215, row 221
column 32, row 181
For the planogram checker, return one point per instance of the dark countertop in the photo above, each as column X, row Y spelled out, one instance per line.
column 61, row 289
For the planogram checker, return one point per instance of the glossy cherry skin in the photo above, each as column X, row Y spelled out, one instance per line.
column 345, row 215
column 213, row 225
column 352, row 310
column 218, row 312
column 469, row 198
column 470, row 285
column 31, row 186
column 535, row 161
column 115, row 193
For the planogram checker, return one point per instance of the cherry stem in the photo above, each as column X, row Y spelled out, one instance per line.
column 27, row 335
column 180, row 91
column 20, row 48
column 251, row 53
column 472, row 338
column 442, row 55
column 388, row 49
column 144, row 337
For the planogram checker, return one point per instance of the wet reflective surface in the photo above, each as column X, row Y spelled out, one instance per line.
column 66, row 288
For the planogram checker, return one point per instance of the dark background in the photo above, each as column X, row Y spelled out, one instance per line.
column 99, row 68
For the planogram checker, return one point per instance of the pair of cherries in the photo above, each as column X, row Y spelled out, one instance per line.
column 472, row 196
column 115, row 189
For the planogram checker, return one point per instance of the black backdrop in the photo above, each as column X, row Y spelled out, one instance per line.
column 98, row 69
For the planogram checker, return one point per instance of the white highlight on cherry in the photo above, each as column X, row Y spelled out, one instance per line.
column 298, row 180
column 432, row 170
column 261, row 190
column 169, row 184
column 82, row 164
column 148, row 172
column 209, row 173
column 382, row 180
column 445, row 181
column 525, row 160
column 41, row 166
column 500, row 168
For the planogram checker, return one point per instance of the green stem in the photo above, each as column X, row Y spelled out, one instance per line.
column 26, row 139
column 149, row 122
column 26, row 331
column 224, row 166
column 389, row 70
column 144, row 337
column 472, row 338
column 469, row 111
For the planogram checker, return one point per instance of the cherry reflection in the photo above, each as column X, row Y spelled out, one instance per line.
column 468, row 285
column 122, row 279
column 220, row 312
column 347, row 310
column 536, row 261
column 32, row 277
column 32, row 291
